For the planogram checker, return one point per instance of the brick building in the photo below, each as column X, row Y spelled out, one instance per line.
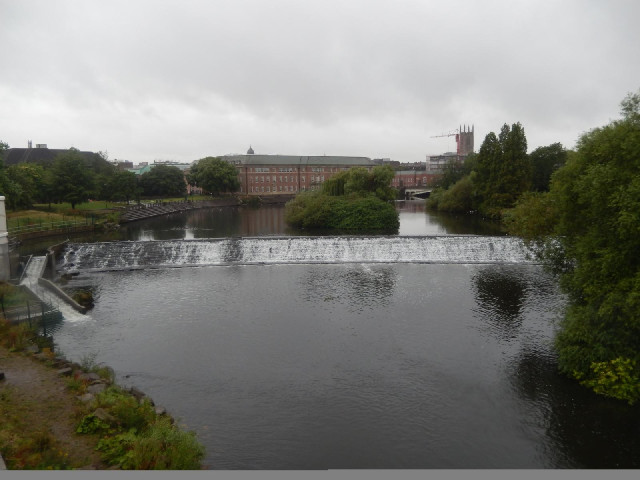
column 289, row 174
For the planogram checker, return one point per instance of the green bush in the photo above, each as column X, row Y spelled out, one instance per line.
column 126, row 409
column 92, row 424
column 616, row 378
column 315, row 210
column 458, row 198
column 162, row 446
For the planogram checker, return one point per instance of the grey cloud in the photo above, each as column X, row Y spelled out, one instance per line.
column 373, row 78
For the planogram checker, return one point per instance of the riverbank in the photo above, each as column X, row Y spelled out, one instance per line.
column 46, row 401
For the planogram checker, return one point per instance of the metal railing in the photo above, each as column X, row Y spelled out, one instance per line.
column 42, row 225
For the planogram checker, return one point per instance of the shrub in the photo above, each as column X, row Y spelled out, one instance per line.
column 616, row 378
column 347, row 212
column 128, row 412
column 162, row 446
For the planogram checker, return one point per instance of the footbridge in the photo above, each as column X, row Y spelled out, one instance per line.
column 417, row 193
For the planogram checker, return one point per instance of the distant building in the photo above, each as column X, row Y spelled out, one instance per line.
column 45, row 156
column 465, row 140
column 436, row 163
column 289, row 174
column 144, row 167
column 464, row 146
column 412, row 179
column 123, row 164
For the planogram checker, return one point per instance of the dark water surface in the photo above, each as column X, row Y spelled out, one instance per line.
column 351, row 365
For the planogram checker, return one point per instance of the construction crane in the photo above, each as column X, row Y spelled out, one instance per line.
column 450, row 134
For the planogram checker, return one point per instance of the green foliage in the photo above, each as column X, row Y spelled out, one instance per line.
column 115, row 449
column 162, row 446
column 588, row 229
column 455, row 170
column 27, row 181
column 503, row 170
column 126, row 409
column 363, row 213
column 163, row 181
column 118, row 185
column 359, row 182
column 136, row 438
column 545, row 161
column 91, row 424
column 315, row 210
column 533, row 217
column 72, row 179
column 458, row 198
column 352, row 200
column 615, row 378
column 214, row 175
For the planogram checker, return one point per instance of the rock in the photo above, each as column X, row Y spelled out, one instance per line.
column 32, row 349
column 87, row 397
column 65, row 371
column 96, row 388
column 90, row 377
column 103, row 415
column 161, row 410
column 136, row 393
column 43, row 357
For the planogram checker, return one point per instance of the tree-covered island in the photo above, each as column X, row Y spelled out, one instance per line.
column 353, row 200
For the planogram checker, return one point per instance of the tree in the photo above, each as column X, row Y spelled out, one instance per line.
column 545, row 161
column 117, row 185
column 163, row 181
column 27, row 180
column 352, row 200
column 3, row 146
column 503, row 169
column 214, row 176
column 359, row 181
column 72, row 177
column 594, row 245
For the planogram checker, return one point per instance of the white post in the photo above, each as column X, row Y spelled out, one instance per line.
column 5, row 271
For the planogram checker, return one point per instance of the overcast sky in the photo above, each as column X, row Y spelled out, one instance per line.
column 184, row 79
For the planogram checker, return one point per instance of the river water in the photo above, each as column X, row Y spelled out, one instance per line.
column 347, row 365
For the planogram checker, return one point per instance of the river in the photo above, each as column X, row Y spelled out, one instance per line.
column 349, row 365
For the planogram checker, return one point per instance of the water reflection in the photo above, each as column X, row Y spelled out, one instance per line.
column 458, row 224
column 356, row 287
column 500, row 296
column 583, row 430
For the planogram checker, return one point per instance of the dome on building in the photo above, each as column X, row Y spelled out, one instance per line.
column 250, row 151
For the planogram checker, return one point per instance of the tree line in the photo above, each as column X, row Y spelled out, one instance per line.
column 586, row 229
column 74, row 178
column 580, row 212
column 491, row 181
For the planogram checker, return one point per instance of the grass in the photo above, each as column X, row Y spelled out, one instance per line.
column 128, row 433
column 26, row 446
column 81, row 208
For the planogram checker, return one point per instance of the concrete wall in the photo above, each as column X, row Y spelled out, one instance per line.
column 5, row 267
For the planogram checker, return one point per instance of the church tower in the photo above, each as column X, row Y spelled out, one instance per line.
column 464, row 140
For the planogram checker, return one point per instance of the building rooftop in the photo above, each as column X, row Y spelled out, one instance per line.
column 253, row 159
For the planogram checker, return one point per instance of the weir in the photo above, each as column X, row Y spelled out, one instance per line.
column 128, row 255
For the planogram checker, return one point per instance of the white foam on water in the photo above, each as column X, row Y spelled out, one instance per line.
column 292, row 250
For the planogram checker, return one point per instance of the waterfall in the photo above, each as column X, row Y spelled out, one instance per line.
column 127, row 255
